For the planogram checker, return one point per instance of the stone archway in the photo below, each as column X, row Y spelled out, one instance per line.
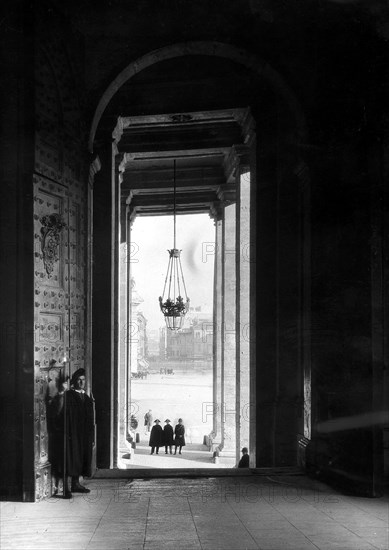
column 295, row 119
column 215, row 49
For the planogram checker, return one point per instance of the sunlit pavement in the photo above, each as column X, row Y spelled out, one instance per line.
column 185, row 394
column 256, row 512
column 193, row 456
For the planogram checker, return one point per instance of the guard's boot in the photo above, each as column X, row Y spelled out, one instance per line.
column 78, row 488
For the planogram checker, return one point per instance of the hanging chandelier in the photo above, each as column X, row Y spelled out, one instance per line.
column 175, row 305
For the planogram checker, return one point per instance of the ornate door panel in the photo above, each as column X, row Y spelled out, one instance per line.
column 59, row 304
column 60, row 185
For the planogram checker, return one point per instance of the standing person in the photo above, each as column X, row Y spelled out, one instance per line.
column 148, row 421
column 168, row 439
column 179, row 433
column 245, row 460
column 156, row 437
column 79, row 426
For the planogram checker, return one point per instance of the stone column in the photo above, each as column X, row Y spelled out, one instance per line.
column 123, row 413
column 216, row 407
column 228, row 371
column 95, row 166
column 243, row 250
column 103, row 298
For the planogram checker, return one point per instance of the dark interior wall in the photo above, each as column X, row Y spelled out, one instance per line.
column 16, row 263
column 348, row 358
column 279, row 245
column 280, row 34
column 348, row 361
column 43, row 163
column 345, row 153
column 341, row 319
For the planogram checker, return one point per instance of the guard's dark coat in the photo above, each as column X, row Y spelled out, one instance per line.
column 156, row 436
column 168, row 435
column 179, row 432
column 80, row 433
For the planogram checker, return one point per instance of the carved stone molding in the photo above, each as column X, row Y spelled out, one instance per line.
column 52, row 225
column 180, row 118
column 94, row 167
column 239, row 156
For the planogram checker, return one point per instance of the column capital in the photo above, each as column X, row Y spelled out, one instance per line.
column 120, row 164
column 239, row 155
column 129, row 197
column 118, row 130
column 130, row 210
column 216, row 211
column 131, row 213
column 226, row 194
column 120, row 161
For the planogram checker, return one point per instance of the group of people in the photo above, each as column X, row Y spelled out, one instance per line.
column 72, row 435
column 166, row 437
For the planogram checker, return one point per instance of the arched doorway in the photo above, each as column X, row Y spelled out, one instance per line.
column 163, row 80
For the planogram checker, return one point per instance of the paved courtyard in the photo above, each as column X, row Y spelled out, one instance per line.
column 266, row 512
column 184, row 394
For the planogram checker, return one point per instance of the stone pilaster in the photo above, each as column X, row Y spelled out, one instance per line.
column 216, row 407
column 123, row 343
column 228, row 371
column 243, row 250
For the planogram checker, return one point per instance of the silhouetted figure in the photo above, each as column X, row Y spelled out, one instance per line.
column 245, row 460
column 168, row 439
column 179, row 436
column 156, row 437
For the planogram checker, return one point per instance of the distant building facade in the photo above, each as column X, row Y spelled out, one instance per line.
column 153, row 343
column 142, row 345
column 193, row 342
column 138, row 336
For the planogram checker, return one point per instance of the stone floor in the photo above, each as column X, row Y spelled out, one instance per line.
column 279, row 512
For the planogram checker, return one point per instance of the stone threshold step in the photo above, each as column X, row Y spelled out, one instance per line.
column 194, row 472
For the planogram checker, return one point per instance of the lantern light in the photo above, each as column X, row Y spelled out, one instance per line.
column 176, row 305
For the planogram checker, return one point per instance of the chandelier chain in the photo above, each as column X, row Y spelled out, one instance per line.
column 174, row 201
